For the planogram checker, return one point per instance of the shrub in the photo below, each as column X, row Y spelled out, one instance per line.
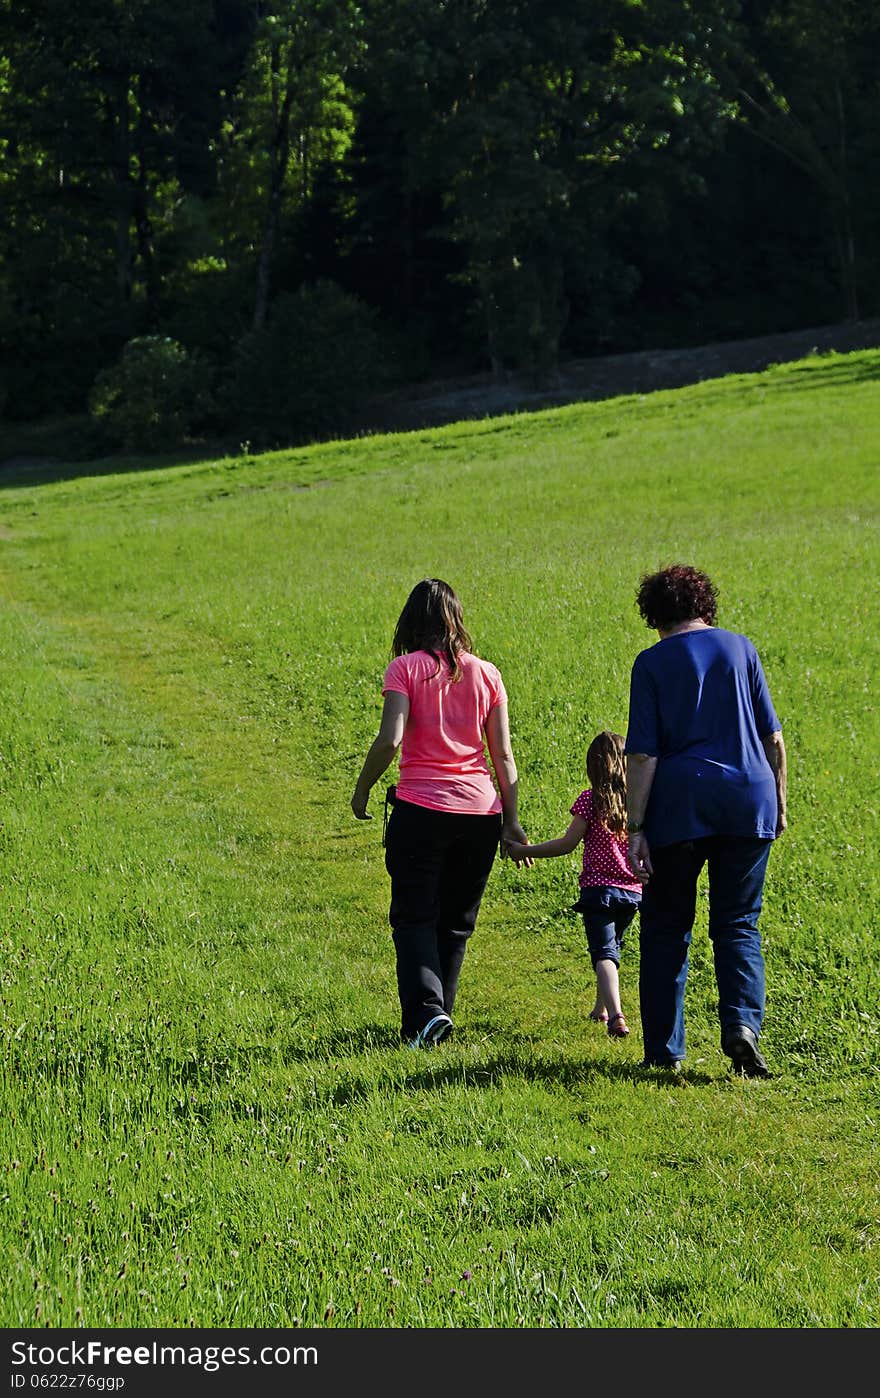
column 304, row 376
column 153, row 396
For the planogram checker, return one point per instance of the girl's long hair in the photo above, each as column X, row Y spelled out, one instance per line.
column 431, row 621
column 606, row 773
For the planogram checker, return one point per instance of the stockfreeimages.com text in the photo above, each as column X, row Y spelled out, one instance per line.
column 207, row 1357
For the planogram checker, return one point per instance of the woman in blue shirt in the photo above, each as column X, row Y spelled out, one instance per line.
column 706, row 784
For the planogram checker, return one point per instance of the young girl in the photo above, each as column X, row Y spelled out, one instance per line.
column 610, row 892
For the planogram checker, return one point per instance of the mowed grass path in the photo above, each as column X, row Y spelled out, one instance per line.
column 207, row 1119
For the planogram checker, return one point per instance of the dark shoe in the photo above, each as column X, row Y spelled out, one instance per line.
column 434, row 1032
column 668, row 1065
column 741, row 1046
column 617, row 1027
column 438, row 1030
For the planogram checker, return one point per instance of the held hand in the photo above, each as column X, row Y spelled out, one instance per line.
column 359, row 806
column 516, row 850
column 640, row 857
column 514, row 845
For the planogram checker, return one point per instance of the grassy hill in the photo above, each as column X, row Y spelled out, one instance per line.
column 207, row 1119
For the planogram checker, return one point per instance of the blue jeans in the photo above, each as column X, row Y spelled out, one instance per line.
column 737, row 866
column 607, row 913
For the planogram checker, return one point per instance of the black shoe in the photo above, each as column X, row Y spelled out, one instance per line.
column 669, row 1065
column 741, row 1046
column 436, row 1031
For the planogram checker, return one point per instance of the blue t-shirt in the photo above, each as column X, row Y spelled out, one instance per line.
column 699, row 703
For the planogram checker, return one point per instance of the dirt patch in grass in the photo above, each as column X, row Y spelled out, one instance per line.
column 436, row 402
column 584, row 380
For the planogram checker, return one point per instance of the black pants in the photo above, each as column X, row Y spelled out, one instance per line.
column 439, row 864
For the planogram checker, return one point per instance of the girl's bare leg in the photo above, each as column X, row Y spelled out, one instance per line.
column 599, row 1012
column 608, row 989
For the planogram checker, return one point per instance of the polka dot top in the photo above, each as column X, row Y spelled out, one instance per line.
column 605, row 861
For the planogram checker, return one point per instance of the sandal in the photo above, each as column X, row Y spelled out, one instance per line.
column 617, row 1027
column 599, row 1018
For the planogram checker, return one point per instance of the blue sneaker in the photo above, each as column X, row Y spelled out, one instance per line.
column 434, row 1032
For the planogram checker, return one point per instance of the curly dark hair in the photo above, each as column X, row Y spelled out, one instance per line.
column 676, row 594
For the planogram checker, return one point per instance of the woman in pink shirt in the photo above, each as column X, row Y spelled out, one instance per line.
column 441, row 704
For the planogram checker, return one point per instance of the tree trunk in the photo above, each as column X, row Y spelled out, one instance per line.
column 279, row 159
column 122, row 179
column 845, row 247
column 144, row 235
column 846, row 242
column 264, row 266
column 548, row 319
column 407, row 250
column 492, row 338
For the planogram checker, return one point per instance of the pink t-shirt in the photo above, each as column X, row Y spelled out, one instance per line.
column 605, row 862
column 442, row 761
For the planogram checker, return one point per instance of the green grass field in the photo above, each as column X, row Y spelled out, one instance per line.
column 207, row 1119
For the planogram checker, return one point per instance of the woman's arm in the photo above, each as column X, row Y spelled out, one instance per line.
column 640, row 769
column 501, row 756
column 382, row 752
column 548, row 849
column 774, row 747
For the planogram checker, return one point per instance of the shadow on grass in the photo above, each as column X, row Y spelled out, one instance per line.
column 568, row 1074
column 436, row 1068
column 36, row 457
column 353, row 1088
column 345, row 1043
column 32, row 469
column 363, row 1061
column 785, row 379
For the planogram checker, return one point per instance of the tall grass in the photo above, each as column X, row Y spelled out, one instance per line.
column 207, row 1117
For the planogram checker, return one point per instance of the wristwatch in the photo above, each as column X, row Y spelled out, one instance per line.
column 633, row 826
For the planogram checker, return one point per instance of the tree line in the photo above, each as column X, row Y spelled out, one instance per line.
column 266, row 209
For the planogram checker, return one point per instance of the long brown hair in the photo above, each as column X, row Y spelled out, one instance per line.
column 431, row 621
column 606, row 773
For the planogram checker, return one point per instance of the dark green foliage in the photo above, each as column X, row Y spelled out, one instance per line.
column 153, row 397
column 304, row 375
column 504, row 184
column 810, row 91
column 108, row 116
